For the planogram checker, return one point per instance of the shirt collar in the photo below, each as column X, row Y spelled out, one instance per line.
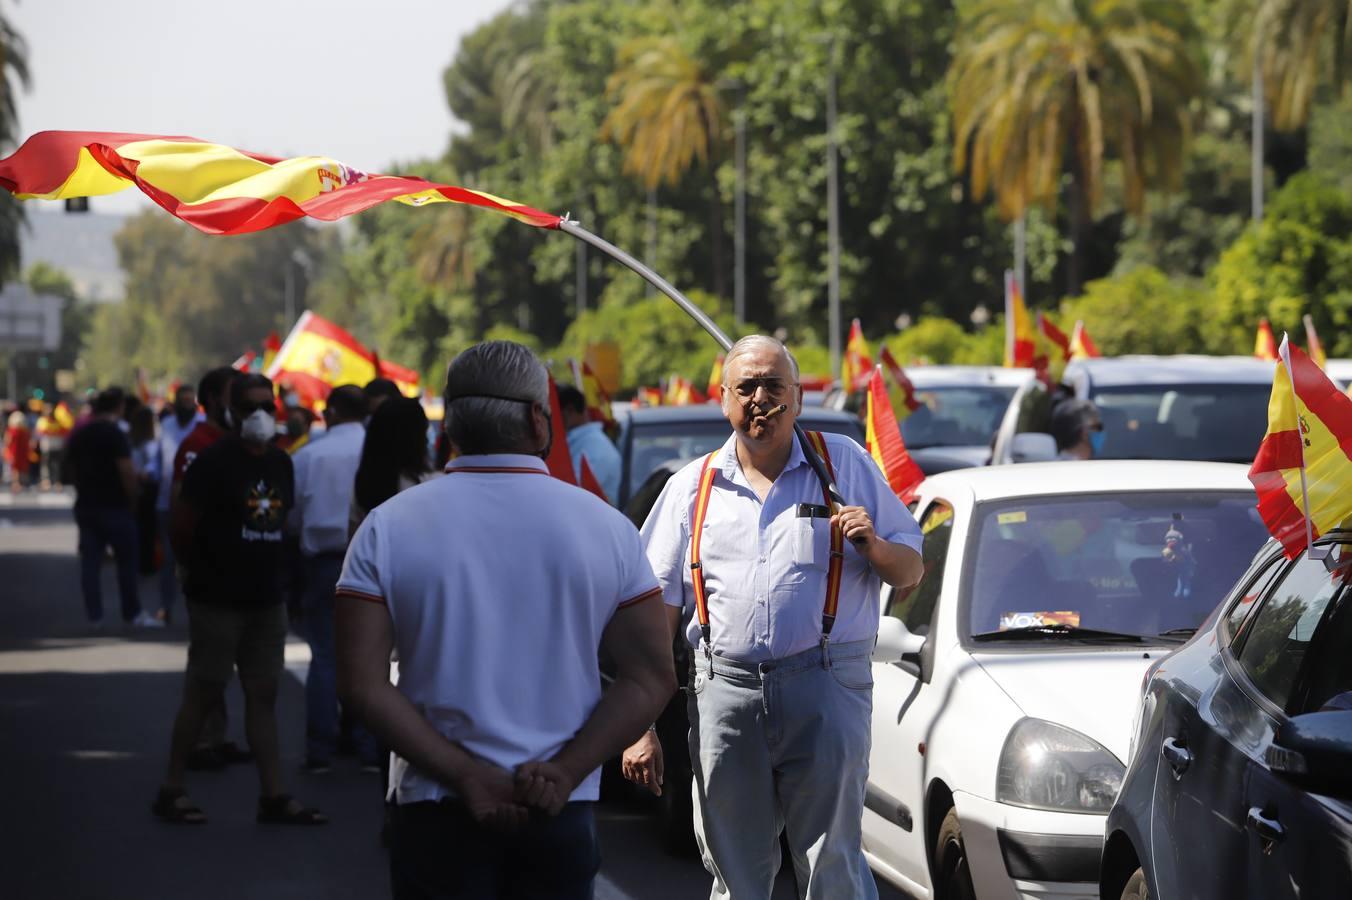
column 498, row 462
column 586, row 428
column 727, row 461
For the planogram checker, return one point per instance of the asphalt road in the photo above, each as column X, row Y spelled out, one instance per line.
column 84, row 733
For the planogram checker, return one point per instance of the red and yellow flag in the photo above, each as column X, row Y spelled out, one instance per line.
column 1020, row 336
column 559, row 460
column 714, row 388
column 882, row 439
column 649, row 396
column 588, row 481
column 1082, row 346
column 271, row 344
column 318, row 355
column 219, row 189
column 681, row 392
column 598, row 401
column 856, row 366
column 1264, row 343
column 902, row 392
column 1053, row 350
column 1314, row 345
column 1303, row 469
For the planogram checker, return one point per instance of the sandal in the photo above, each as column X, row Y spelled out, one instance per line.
column 286, row 810
column 173, row 806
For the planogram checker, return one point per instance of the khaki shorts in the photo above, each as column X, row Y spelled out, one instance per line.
column 221, row 638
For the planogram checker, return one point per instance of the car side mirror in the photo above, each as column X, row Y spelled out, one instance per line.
column 1032, row 446
column 896, row 643
column 1314, row 750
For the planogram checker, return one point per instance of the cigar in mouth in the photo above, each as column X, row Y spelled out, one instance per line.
column 774, row 412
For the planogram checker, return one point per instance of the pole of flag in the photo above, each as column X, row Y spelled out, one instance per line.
column 1284, row 351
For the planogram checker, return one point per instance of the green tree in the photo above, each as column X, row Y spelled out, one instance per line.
column 1297, row 261
column 1143, row 311
column 1039, row 89
column 13, row 70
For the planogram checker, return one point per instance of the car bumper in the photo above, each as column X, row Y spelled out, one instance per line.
column 1030, row 854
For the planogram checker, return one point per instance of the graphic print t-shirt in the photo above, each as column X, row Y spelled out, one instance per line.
column 242, row 500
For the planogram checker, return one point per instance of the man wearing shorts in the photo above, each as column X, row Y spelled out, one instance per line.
column 228, row 533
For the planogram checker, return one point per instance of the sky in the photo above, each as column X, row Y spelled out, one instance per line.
column 355, row 80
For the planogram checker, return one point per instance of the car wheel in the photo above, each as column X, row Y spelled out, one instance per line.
column 953, row 879
column 1136, row 888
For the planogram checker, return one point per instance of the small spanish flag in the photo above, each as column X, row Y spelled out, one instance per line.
column 1316, row 347
column 1082, row 346
column 713, row 389
column 1020, row 336
column 1303, row 469
column 559, row 460
column 1264, row 343
column 598, row 401
column 1053, row 350
column 902, row 392
column 883, row 441
column 856, row 367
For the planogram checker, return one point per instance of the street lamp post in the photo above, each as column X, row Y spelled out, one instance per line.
column 832, row 216
column 1258, row 117
column 739, row 216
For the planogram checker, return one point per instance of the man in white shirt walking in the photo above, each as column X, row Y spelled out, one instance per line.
column 780, row 596
column 498, row 585
column 325, row 472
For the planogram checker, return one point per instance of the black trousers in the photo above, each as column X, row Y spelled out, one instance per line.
column 438, row 852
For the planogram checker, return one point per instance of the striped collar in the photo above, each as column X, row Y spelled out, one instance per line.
column 515, row 463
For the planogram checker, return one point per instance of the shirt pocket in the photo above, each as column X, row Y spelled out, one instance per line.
column 809, row 547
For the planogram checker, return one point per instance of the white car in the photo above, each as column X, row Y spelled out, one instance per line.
column 1006, row 683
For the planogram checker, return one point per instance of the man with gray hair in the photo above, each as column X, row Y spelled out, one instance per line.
column 498, row 585
column 778, row 591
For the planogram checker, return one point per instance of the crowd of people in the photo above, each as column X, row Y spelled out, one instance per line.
column 456, row 622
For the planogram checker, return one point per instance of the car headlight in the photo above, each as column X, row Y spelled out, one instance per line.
column 1047, row 766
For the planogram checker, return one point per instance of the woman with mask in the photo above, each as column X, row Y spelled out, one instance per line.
column 393, row 459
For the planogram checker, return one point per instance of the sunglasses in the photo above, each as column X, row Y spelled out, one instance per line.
column 775, row 388
column 247, row 409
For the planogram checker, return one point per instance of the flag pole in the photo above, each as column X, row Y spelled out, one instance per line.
column 1284, row 353
column 571, row 227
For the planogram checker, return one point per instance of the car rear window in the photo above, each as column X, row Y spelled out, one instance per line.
column 1217, row 422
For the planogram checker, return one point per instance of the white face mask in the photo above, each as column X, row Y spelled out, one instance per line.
column 259, row 428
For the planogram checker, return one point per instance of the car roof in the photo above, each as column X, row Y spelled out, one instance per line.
column 707, row 412
column 1127, row 370
column 935, row 376
column 1088, row 477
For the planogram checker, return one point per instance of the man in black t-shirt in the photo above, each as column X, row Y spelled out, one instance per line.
column 98, row 457
column 228, row 534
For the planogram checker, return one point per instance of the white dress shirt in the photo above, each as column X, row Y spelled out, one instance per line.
column 325, row 472
column 764, row 566
column 171, row 435
column 499, row 581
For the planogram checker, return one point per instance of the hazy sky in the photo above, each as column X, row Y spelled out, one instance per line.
column 356, row 80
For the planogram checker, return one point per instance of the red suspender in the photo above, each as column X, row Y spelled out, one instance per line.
column 697, row 516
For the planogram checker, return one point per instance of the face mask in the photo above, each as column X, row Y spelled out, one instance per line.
column 259, row 428
column 1096, row 441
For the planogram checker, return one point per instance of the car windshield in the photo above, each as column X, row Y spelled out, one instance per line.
column 1149, row 563
column 1218, row 422
column 656, row 442
column 958, row 416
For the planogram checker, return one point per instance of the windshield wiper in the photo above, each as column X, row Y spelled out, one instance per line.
column 1178, row 633
column 1059, row 630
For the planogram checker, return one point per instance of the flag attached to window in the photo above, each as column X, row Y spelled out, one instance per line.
column 882, row 439
column 1020, row 336
column 1303, row 469
column 856, row 366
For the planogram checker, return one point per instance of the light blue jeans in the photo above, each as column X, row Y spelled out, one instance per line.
column 783, row 745
column 321, row 681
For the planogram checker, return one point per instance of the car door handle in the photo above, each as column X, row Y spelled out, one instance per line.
column 1269, row 830
column 1176, row 755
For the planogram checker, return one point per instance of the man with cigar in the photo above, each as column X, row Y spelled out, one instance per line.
column 778, row 594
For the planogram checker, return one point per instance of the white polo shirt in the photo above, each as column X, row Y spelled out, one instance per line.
column 499, row 580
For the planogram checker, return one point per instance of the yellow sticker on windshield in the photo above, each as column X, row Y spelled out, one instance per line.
column 1012, row 518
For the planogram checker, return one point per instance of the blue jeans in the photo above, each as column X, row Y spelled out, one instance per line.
column 321, row 682
column 101, row 528
column 437, row 852
column 783, row 745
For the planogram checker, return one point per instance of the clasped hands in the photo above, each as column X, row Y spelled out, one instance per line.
column 504, row 800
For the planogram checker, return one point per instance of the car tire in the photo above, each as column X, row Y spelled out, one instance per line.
column 953, row 878
column 1136, row 887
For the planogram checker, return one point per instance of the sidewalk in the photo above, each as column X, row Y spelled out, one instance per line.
column 84, row 733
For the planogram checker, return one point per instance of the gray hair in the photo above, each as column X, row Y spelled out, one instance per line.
column 754, row 342
column 489, row 392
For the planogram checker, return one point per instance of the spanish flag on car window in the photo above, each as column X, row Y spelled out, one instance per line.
column 219, row 189
column 1303, row 469
column 856, row 366
column 1020, row 336
column 902, row 393
column 1264, row 343
column 883, row 440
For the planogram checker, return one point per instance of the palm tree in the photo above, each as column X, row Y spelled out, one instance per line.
column 13, row 66
column 668, row 116
column 1295, row 41
column 1042, row 88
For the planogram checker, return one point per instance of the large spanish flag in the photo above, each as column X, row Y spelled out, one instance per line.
column 883, row 441
column 856, row 367
column 219, row 189
column 1303, row 469
column 1020, row 336
column 318, row 356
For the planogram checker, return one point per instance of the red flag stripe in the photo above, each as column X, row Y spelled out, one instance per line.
column 1322, row 398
